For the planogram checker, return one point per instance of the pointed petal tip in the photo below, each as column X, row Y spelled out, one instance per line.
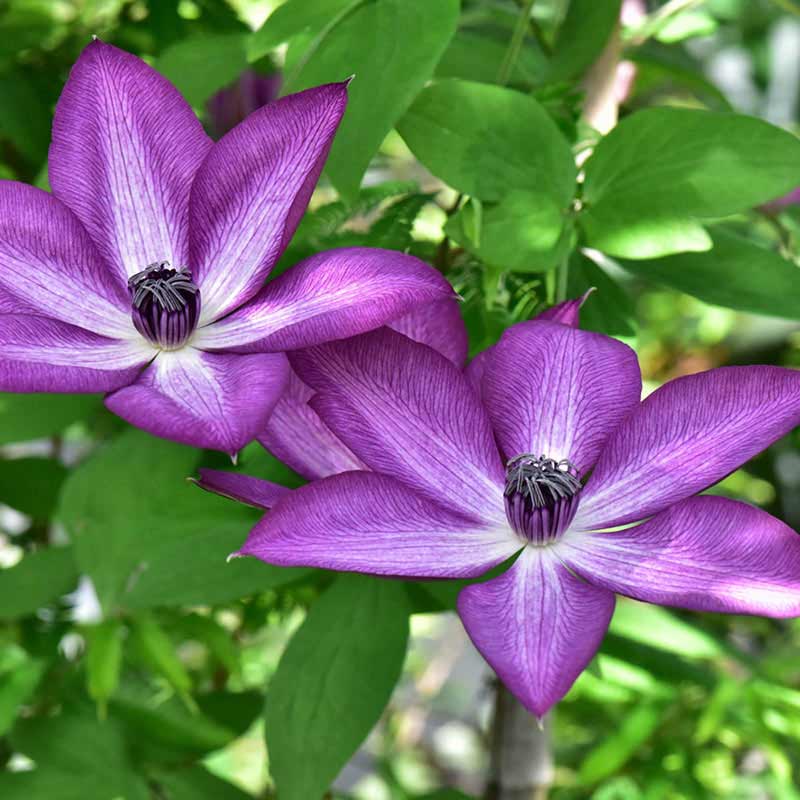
column 234, row 457
column 585, row 296
column 234, row 555
column 348, row 81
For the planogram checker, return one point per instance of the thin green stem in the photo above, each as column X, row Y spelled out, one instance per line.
column 562, row 280
column 515, row 44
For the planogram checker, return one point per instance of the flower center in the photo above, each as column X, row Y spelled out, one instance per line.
column 165, row 305
column 541, row 496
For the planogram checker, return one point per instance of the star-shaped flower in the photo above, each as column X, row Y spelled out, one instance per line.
column 555, row 461
column 143, row 273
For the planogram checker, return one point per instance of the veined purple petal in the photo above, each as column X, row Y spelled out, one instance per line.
column 549, row 391
column 299, row 438
column 244, row 488
column 566, row 313
column 406, row 411
column 332, row 295
column 537, row 625
column 252, row 190
column 705, row 553
column 440, row 326
column 125, row 149
column 686, row 436
column 296, row 435
column 49, row 263
column 38, row 354
column 203, row 399
column 365, row 522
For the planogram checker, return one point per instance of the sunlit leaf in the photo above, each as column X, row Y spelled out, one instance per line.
column 392, row 48
column 333, row 682
column 485, row 141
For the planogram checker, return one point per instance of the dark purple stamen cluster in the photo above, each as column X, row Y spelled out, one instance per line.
column 166, row 305
column 541, row 496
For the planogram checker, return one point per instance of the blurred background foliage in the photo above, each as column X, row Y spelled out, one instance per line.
column 135, row 663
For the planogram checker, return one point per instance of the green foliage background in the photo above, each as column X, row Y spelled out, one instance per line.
column 165, row 681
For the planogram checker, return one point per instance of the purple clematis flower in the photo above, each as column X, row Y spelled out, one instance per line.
column 142, row 275
column 551, row 462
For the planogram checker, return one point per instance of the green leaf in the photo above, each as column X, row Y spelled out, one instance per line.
column 75, row 745
column 524, row 232
column 155, row 646
column 476, row 56
column 679, row 163
column 103, row 660
column 736, row 274
column 292, row 18
column 581, row 37
column 658, row 627
column 636, row 233
column 24, row 116
column 19, row 676
column 31, row 485
column 620, row 744
column 166, row 732
column 661, row 69
column 686, row 25
column 393, row 231
column 333, row 682
column 197, row 783
column 485, row 141
column 608, row 309
column 201, row 65
column 157, row 540
column 392, row 47
column 35, row 416
column 41, row 577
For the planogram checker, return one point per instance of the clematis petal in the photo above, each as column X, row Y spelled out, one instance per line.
column 440, row 326
column 49, row 264
column 332, row 295
column 365, row 522
column 537, row 625
column 299, row 438
column 296, row 435
column 38, row 354
column 252, row 190
column 566, row 313
column 244, row 488
column 705, row 553
column 548, row 390
column 406, row 411
column 686, row 436
column 125, row 149
column 202, row 399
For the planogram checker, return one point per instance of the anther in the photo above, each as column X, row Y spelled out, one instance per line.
column 541, row 496
column 165, row 305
